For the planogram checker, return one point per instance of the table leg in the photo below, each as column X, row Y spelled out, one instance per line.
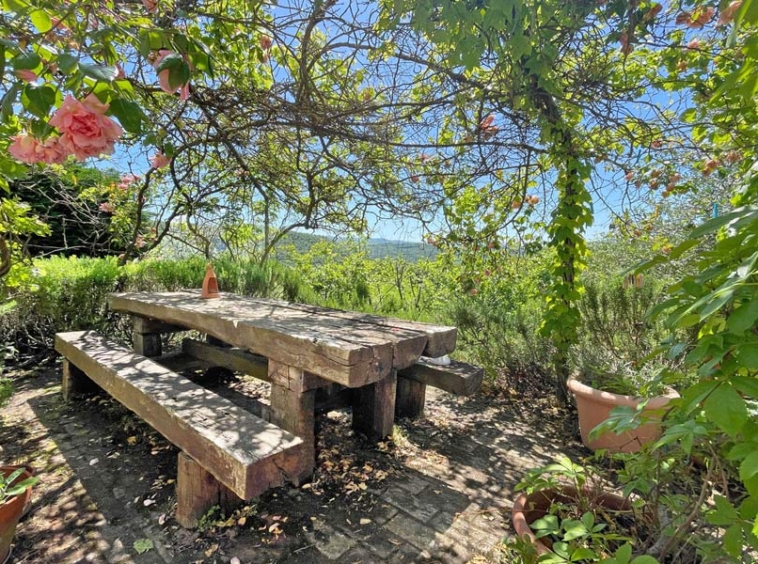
column 293, row 403
column 146, row 340
column 374, row 408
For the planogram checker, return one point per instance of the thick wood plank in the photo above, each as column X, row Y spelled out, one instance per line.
column 241, row 450
column 227, row 357
column 147, row 344
column 374, row 408
column 457, row 378
column 179, row 361
column 441, row 339
column 293, row 409
column 197, row 490
column 350, row 354
column 146, row 325
column 410, row 398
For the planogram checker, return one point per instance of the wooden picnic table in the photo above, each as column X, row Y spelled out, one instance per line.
column 307, row 347
column 227, row 453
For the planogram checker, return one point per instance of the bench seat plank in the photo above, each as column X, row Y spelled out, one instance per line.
column 244, row 452
column 457, row 377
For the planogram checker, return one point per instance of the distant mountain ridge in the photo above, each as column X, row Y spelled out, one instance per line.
column 377, row 248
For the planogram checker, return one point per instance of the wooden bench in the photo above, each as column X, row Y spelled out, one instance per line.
column 227, row 452
column 458, row 378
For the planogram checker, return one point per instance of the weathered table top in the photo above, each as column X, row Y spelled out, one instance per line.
column 350, row 348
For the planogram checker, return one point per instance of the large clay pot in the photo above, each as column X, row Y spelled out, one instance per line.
column 11, row 511
column 530, row 507
column 594, row 407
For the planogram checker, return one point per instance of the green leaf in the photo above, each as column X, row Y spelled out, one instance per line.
column 9, row 100
column 129, row 114
column 743, row 317
column 583, row 554
column 26, row 61
column 716, row 223
column 747, row 355
column 644, row 559
column 99, row 73
column 623, row 554
column 724, row 514
column 746, row 385
column 726, row 409
column 41, row 21
column 178, row 70
column 17, row 6
column 732, row 540
column 749, row 466
column 143, row 545
column 67, row 63
column 38, row 100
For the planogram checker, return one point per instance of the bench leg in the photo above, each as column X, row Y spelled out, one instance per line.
column 374, row 408
column 410, row 398
column 293, row 409
column 197, row 491
column 75, row 382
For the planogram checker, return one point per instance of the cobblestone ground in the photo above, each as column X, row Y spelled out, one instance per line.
column 440, row 491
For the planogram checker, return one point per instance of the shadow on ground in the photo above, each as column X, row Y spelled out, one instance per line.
column 440, row 491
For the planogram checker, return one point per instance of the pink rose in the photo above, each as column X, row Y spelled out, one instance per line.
column 163, row 77
column 107, row 207
column 85, row 129
column 28, row 149
column 159, row 160
column 727, row 14
column 27, row 75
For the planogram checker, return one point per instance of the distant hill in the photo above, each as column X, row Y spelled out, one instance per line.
column 377, row 248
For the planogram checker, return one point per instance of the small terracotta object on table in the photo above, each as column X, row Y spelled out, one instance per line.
column 210, row 283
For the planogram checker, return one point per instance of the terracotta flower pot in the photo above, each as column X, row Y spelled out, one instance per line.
column 11, row 511
column 594, row 407
column 530, row 507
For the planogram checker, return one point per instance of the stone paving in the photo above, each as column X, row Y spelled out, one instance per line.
column 446, row 499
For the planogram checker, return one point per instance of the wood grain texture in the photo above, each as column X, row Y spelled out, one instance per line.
column 241, row 450
column 293, row 409
column 441, row 339
column 147, row 344
column 75, row 382
column 374, row 408
column 352, row 354
column 410, row 398
column 457, row 378
column 228, row 357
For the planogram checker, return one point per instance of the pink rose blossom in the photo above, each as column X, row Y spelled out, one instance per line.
column 107, row 207
column 150, row 5
column 727, row 14
column 28, row 149
column 159, row 160
column 27, row 75
column 85, row 129
column 163, row 77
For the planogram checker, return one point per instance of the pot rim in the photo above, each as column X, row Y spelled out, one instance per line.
column 520, row 509
column 579, row 388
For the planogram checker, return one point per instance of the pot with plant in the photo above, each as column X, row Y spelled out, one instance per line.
column 615, row 371
column 564, row 515
column 629, row 402
column 15, row 492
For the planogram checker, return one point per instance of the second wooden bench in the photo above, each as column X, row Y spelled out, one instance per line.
column 227, row 452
